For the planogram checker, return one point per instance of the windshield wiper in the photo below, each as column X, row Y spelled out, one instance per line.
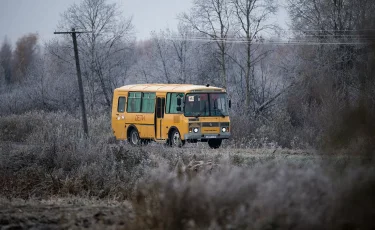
column 198, row 115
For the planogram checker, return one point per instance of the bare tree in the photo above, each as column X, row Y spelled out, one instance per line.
column 337, row 22
column 55, row 70
column 144, row 68
column 251, row 17
column 170, row 56
column 6, row 60
column 162, row 53
column 182, row 49
column 329, row 18
column 176, row 56
column 332, row 77
column 212, row 18
column 107, row 49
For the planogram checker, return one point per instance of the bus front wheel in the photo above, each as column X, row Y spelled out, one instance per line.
column 214, row 143
column 134, row 137
column 175, row 139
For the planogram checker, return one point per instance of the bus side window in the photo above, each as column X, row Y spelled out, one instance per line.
column 172, row 103
column 148, row 103
column 134, row 102
column 121, row 104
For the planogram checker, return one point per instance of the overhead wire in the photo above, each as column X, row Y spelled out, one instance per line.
column 346, row 39
column 266, row 42
column 360, row 30
column 353, row 37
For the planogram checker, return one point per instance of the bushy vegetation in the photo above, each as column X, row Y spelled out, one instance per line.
column 268, row 196
column 184, row 188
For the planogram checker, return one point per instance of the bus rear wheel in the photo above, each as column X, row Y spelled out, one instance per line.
column 214, row 143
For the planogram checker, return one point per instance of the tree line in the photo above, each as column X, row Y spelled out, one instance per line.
column 308, row 86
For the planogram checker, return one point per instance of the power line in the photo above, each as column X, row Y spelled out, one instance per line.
column 269, row 42
column 340, row 35
column 363, row 30
column 352, row 37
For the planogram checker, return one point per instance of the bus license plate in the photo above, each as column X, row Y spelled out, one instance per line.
column 210, row 137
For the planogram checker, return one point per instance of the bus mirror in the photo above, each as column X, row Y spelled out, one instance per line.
column 230, row 103
column 178, row 109
column 179, row 102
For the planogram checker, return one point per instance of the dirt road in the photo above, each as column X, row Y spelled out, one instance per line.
column 62, row 215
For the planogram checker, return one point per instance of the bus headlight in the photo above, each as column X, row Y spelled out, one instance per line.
column 224, row 129
column 196, row 130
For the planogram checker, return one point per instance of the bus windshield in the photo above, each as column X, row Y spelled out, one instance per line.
column 206, row 105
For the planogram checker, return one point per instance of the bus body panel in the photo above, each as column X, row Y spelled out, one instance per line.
column 144, row 122
column 118, row 117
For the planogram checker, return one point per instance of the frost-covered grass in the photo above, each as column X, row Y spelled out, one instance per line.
column 43, row 156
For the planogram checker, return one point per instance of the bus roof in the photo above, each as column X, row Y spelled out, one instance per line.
column 170, row 88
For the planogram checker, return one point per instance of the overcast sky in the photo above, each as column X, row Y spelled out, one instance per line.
column 19, row 17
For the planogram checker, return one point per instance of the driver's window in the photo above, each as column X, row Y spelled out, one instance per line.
column 196, row 104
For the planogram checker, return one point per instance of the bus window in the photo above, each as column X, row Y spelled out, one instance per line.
column 172, row 102
column 196, row 105
column 134, row 102
column 218, row 104
column 160, row 102
column 121, row 104
column 148, row 103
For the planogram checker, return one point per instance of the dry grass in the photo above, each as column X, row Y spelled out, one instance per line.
column 188, row 188
column 269, row 196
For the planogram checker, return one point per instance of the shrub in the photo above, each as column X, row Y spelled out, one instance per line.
column 270, row 196
column 185, row 188
column 17, row 128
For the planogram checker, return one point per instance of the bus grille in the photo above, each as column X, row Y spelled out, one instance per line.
column 210, row 124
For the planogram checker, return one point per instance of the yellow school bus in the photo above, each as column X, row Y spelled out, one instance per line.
column 171, row 114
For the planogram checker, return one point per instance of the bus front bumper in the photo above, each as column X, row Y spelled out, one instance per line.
column 207, row 136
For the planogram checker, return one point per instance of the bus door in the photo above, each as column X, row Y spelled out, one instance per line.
column 118, row 116
column 159, row 116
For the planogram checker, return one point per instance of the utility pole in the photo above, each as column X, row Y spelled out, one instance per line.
column 81, row 94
